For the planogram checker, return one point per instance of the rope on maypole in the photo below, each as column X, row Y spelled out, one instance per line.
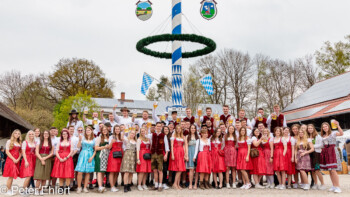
column 176, row 54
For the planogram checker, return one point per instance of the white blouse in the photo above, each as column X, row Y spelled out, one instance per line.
column 200, row 146
column 24, row 145
column 291, row 139
column 275, row 141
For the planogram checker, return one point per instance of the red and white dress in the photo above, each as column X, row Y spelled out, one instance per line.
column 259, row 163
column 114, row 164
column 143, row 148
column 267, row 155
column 290, row 165
column 279, row 161
column 64, row 169
column 178, row 164
column 230, row 152
column 31, row 158
column 202, row 153
column 242, row 164
column 11, row 169
column 218, row 161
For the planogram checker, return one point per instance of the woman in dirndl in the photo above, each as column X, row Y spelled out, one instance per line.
column 191, row 141
column 101, row 158
column 129, row 160
column 330, row 158
column 303, row 148
column 203, row 158
column 29, row 159
column 315, row 157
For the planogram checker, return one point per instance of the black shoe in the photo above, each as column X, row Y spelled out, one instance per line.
column 116, row 184
column 91, row 186
column 122, row 184
column 132, row 184
column 129, row 189
column 126, row 189
column 72, row 189
column 239, row 185
column 108, row 185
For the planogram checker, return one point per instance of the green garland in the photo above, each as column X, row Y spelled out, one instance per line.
column 210, row 45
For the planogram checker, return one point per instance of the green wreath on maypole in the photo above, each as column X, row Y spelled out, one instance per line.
column 141, row 45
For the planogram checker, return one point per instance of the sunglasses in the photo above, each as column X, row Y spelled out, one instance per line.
column 80, row 130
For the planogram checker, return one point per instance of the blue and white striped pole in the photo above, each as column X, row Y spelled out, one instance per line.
column 176, row 55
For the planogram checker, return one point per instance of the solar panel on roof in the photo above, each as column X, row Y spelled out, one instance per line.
column 342, row 106
column 304, row 113
column 326, row 90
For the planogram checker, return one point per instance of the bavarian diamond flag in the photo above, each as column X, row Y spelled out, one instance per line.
column 207, row 82
column 146, row 83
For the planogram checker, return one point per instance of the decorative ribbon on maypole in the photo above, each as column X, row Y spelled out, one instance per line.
column 176, row 54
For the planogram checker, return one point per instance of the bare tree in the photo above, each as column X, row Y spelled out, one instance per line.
column 309, row 73
column 11, row 86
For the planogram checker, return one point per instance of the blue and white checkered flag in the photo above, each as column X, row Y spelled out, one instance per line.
column 146, row 83
column 207, row 82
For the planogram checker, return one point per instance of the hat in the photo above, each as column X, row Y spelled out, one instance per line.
column 73, row 112
column 108, row 124
column 124, row 109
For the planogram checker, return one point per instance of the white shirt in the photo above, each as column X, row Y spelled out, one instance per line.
column 318, row 144
column 200, row 146
column 249, row 132
column 96, row 126
column 292, row 140
column 141, row 121
column 74, row 140
column 54, row 142
column 122, row 120
column 76, row 125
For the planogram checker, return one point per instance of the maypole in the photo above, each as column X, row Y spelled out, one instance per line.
column 176, row 55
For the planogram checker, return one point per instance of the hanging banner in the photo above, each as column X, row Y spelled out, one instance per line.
column 208, row 9
column 144, row 10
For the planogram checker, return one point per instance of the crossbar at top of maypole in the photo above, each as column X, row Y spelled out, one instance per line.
column 177, row 54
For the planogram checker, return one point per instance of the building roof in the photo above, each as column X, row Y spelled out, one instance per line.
column 12, row 116
column 329, row 89
column 140, row 105
column 325, row 98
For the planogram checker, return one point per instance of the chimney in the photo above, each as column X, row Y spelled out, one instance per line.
column 122, row 96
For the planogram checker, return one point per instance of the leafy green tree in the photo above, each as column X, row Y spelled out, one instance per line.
column 79, row 102
column 334, row 59
column 74, row 75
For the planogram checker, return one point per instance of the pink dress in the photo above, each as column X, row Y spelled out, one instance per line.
column 230, row 153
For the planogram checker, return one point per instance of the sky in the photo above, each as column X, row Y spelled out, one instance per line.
column 36, row 34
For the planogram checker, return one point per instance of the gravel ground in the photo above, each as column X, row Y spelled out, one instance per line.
column 344, row 180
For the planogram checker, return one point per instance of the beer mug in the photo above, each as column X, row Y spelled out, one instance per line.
column 149, row 124
column 134, row 114
column 199, row 112
column 333, row 124
column 260, row 118
column 274, row 116
column 196, row 119
column 178, row 119
column 216, row 117
column 230, row 121
column 162, row 118
column 86, row 112
column 155, row 105
column 94, row 122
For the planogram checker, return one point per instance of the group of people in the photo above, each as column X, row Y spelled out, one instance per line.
column 188, row 152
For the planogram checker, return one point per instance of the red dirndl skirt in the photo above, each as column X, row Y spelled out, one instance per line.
column 28, row 171
column 328, row 159
column 11, row 169
column 279, row 161
column 178, row 164
column 145, row 165
column 241, row 162
column 204, row 162
column 114, row 164
column 63, row 169
column 259, row 164
column 218, row 162
column 290, row 165
column 269, row 166
column 230, row 156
